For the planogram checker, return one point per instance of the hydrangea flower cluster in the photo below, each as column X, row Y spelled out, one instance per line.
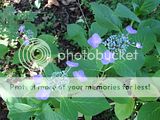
column 117, row 43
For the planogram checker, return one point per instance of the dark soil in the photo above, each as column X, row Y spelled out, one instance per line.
column 3, row 110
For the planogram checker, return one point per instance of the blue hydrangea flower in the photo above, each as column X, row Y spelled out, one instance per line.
column 80, row 75
column 26, row 42
column 107, row 57
column 94, row 40
column 37, row 79
column 138, row 45
column 130, row 30
column 42, row 94
column 72, row 64
column 116, row 43
column 21, row 29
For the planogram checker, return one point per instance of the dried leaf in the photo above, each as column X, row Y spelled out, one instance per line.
column 52, row 2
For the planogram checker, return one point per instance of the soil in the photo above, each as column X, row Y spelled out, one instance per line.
column 3, row 110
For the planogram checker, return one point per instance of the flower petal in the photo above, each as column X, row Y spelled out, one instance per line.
column 80, row 75
column 42, row 94
column 107, row 57
column 130, row 30
column 95, row 40
column 72, row 64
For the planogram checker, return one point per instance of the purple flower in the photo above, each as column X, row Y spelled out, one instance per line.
column 42, row 94
column 95, row 40
column 26, row 42
column 21, row 28
column 130, row 30
column 37, row 79
column 72, row 64
column 107, row 57
column 138, row 45
column 80, row 75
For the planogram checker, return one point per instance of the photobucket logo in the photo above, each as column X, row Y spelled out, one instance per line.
column 120, row 55
column 36, row 52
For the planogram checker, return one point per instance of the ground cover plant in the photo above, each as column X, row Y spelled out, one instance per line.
column 40, row 39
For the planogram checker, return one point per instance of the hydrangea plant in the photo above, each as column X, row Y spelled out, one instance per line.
column 109, row 34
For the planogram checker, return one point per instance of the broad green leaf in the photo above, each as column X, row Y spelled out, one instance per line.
column 153, row 24
column 123, row 11
column 145, row 6
column 128, row 68
column 149, row 60
column 124, row 69
column 3, row 50
column 22, row 107
column 104, row 16
column 121, row 100
column 50, row 40
column 77, row 34
column 31, row 29
column 123, row 111
column 68, row 110
column 50, row 68
column 149, row 111
column 20, row 111
column 91, row 106
column 157, row 44
column 157, row 74
column 49, row 114
column 147, row 38
column 96, row 28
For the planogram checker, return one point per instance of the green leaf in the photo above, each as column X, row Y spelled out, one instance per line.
column 49, row 114
column 50, row 40
column 32, row 28
column 96, row 28
column 127, row 67
column 67, row 109
column 123, row 11
column 50, row 68
column 20, row 111
column 90, row 106
column 22, row 107
column 147, row 38
column 146, row 6
column 104, row 16
column 123, row 69
column 149, row 111
column 157, row 44
column 123, row 111
column 78, row 34
column 153, row 24
column 3, row 50
column 157, row 74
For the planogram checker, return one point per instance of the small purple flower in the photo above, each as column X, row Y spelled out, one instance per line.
column 130, row 30
column 37, row 79
column 107, row 57
column 72, row 64
column 26, row 42
column 94, row 40
column 80, row 75
column 42, row 94
column 138, row 45
column 21, row 29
